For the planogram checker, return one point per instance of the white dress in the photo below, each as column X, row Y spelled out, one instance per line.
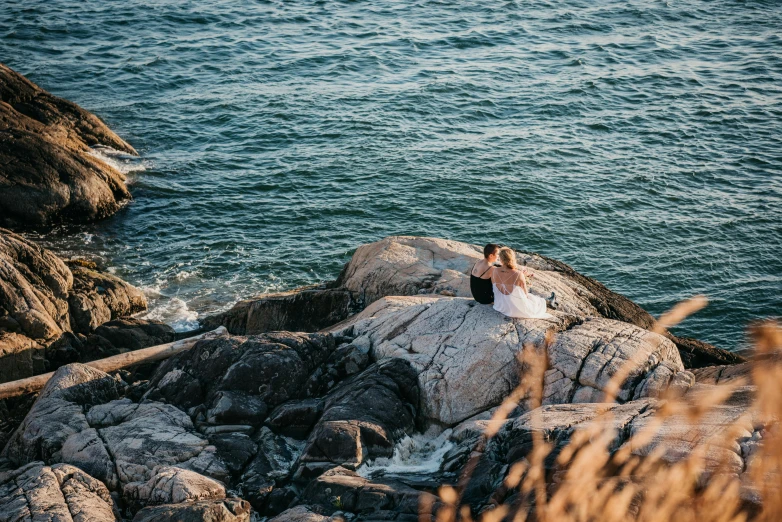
column 515, row 303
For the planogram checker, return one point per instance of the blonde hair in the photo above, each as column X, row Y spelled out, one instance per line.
column 508, row 258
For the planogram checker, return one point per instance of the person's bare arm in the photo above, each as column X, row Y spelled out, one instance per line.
column 522, row 281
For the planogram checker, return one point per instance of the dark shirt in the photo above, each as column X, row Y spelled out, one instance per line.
column 481, row 289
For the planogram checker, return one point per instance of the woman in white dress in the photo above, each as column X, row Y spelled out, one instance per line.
column 511, row 296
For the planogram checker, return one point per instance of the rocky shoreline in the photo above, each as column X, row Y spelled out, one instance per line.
column 280, row 416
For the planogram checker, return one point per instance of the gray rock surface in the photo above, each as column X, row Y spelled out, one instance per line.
column 170, row 485
column 60, row 493
column 465, row 354
column 79, row 419
column 365, row 416
column 677, row 436
column 49, row 174
column 299, row 514
column 407, row 265
column 226, row 510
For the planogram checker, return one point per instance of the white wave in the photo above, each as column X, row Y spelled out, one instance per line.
column 122, row 161
column 421, row 453
column 174, row 312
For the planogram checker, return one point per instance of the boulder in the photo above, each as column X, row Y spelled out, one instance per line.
column 79, row 419
column 97, row 298
column 275, row 458
column 50, row 175
column 407, row 265
column 53, row 494
column 364, row 416
column 340, row 489
column 465, row 354
column 170, row 485
column 242, row 378
column 299, row 514
column 306, row 309
column 225, row 510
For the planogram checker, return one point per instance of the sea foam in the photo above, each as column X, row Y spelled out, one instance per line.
column 419, row 453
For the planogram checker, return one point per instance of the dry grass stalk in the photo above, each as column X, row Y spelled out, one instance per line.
column 639, row 481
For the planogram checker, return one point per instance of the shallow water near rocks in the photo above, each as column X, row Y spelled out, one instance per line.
column 637, row 141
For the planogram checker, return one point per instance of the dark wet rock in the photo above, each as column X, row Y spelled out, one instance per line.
column 49, row 175
column 365, row 415
column 697, row 354
column 296, row 418
column 273, row 462
column 225, row 510
column 270, row 368
column 234, row 449
column 129, row 333
column 12, row 413
column 53, row 494
column 340, row 489
column 306, row 309
column 97, row 298
column 112, row 338
column 229, row 407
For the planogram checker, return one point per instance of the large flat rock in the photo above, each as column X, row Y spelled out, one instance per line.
column 466, row 354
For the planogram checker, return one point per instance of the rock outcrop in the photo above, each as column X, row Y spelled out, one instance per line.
column 677, row 437
column 466, row 354
column 304, row 310
column 49, row 175
column 54, row 494
column 226, row 510
column 287, row 423
column 53, row 312
column 410, row 266
column 148, row 452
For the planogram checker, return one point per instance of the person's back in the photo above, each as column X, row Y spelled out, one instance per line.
column 511, row 297
column 480, row 277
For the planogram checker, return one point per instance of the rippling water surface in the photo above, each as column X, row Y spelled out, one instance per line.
column 639, row 141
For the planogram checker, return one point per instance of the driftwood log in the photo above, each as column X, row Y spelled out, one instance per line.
column 110, row 364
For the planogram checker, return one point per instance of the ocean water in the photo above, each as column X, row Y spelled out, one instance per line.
column 638, row 141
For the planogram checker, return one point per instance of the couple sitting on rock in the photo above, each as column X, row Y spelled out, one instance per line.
column 505, row 285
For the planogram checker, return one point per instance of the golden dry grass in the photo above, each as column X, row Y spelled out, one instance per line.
column 596, row 482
